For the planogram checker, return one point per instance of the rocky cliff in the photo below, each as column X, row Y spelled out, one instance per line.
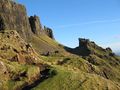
column 35, row 24
column 37, row 28
column 87, row 47
column 14, row 17
column 49, row 32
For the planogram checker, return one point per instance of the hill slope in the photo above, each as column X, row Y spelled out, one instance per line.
column 29, row 28
column 19, row 63
column 74, row 80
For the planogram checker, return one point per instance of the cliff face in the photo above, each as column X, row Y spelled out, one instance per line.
column 87, row 47
column 37, row 29
column 14, row 17
column 35, row 24
column 49, row 32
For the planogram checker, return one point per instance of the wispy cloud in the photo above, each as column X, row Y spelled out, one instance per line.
column 89, row 22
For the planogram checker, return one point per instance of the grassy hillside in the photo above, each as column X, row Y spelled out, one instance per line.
column 98, row 66
column 75, row 73
column 43, row 44
column 21, row 66
column 68, row 79
column 17, row 62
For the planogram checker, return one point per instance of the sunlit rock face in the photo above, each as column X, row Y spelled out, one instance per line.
column 14, row 17
column 37, row 29
column 35, row 24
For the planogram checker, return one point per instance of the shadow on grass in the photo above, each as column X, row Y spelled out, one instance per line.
column 47, row 73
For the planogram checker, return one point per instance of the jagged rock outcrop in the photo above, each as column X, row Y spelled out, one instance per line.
column 13, row 16
column 49, row 32
column 37, row 29
column 87, row 47
column 35, row 24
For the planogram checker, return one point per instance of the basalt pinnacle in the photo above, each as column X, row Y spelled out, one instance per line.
column 13, row 16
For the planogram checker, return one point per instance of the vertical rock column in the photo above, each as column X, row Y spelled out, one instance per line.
column 35, row 24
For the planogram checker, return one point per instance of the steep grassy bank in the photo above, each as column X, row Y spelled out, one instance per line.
column 72, row 80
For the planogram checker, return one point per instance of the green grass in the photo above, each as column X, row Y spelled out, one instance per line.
column 15, row 70
column 68, row 72
column 74, row 74
column 43, row 44
column 71, row 80
column 80, row 64
column 17, row 74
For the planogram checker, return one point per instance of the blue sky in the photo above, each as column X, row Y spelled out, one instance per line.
column 98, row 20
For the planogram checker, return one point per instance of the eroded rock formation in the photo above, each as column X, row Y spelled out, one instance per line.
column 35, row 24
column 14, row 17
column 49, row 32
column 87, row 47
